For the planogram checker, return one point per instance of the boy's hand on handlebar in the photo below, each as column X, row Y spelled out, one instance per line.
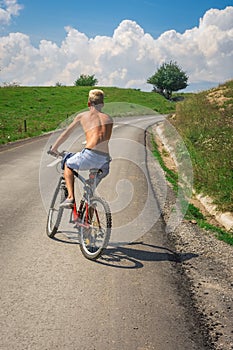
column 53, row 152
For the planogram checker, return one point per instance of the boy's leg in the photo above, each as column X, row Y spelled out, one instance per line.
column 69, row 177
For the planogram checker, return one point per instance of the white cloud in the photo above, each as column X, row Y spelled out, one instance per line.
column 127, row 58
column 8, row 9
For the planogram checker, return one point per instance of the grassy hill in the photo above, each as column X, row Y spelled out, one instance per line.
column 44, row 108
column 205, row 122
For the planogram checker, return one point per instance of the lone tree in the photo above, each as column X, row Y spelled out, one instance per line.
column 168, row 78
column 86, row 80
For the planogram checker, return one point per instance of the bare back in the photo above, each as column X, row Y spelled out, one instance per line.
column 98, row 129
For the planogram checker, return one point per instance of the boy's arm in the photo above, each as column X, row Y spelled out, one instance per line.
column 65, row 134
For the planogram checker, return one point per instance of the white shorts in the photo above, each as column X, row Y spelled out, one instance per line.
column 90, row 159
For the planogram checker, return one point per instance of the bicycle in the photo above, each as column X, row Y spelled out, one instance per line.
column 92, row 217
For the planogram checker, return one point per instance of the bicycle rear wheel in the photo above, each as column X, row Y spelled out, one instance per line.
column 55, row 212
column 95, row 234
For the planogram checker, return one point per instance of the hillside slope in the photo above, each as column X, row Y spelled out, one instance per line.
column 205, row 122
column 44, row 108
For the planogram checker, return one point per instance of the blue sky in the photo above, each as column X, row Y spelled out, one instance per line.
column 47, row 19
column 123, row 42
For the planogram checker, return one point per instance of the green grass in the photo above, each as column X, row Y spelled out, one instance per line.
column 190, row 211
column 205, row 122
column 170, row 175
column 45, row 108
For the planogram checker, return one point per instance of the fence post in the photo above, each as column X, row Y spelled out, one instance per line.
column 25, row 125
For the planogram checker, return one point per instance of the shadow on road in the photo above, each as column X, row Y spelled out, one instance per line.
column 133, row 255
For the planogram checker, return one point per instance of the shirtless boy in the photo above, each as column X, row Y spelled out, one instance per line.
column 98, row 129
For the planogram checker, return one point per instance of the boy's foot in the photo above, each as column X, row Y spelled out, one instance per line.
column 67, row 204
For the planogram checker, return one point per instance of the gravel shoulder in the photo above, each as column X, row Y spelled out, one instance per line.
column 208, row 276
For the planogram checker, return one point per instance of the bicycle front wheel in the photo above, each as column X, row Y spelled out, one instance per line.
column 55, row 212
column 95, row 228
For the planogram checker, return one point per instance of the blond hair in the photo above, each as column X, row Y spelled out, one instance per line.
column 96, row 97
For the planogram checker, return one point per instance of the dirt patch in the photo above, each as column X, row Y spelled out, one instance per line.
column 168, row 160
column 218, row 96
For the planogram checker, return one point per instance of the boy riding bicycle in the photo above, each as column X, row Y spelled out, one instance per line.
column 98, row 129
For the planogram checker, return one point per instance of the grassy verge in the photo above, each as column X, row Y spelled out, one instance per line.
column 44, row 108
column 192, row 212
column 205, row 122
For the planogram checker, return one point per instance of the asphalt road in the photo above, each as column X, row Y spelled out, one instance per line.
column 52, row 297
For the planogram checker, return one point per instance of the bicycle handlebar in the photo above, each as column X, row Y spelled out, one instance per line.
column 54, row 154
